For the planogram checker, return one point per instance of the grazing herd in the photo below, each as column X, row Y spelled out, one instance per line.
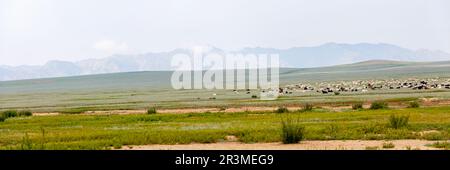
column 366, row 85
column 360, row 86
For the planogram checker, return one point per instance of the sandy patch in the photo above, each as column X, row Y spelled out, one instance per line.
column 46, row 114
column 304, row 145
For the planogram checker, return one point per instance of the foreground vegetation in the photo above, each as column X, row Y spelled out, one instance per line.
column 78, row 131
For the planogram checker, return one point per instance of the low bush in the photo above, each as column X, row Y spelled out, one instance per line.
column 292, row 131
column 151, row 111
column 389, row 145
column 254, row 96
column 357, row 106
column 442, row 145
column 9, row 113
column 282, row 109
column 24, row 113
column 398, row 122
column 413, row 104
column 379, row 105
column 307, row 107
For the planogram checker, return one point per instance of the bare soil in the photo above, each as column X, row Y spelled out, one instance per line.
column 304, row 145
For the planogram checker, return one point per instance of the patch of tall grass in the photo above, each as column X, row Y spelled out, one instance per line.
column 357, row 106
column 292, row 131
column 307, row 107
column 398, row 122
column 151, row 110
column 413, row 104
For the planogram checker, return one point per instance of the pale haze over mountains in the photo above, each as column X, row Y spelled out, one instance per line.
column 297, row 57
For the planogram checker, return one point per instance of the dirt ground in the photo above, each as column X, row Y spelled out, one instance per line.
column 304, row 145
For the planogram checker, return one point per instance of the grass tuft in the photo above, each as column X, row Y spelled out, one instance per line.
column 389, row 145
column 357, row 106
column 151, row 111
column 282, row 109
column 25, row 113
column 292, row 131
column 413, row 104
column 307, row 107
column 398, row 122
column 379, row 105
column 442, row 145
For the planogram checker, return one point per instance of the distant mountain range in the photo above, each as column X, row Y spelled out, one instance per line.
column 298, row 57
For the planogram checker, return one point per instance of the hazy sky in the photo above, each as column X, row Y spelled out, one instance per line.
column 35, row 31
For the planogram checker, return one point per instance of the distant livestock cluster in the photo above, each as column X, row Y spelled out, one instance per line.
column 366, row 85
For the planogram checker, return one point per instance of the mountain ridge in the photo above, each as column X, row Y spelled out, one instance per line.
column 328, row 54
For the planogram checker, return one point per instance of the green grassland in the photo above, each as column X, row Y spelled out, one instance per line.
column 109, row 131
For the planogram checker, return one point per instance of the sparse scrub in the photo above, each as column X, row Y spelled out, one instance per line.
column 332, row 130
column 2, row 118
column 379, row 105
column 388, row 145
column 151, row 110
column 357, row 106
column 25, row 113
column 307, row 107
column 337, row 93
column 282, row 109
column 292, row 131
column 398, row 122
column 74, row 111
column 413, row 104
column 9, row 113
column 442, row 145
column 371, row 147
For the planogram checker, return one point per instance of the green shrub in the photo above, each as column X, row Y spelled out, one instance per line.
column 378, row 105
column 442, row 145
column 398, row 122
column 292, row 131
column 9, row 113
column 413, row 104
column 332, row 130
column 307, row 107
column 336, row 93
column 254, row 96
column 151, row 111
column 357, row 106
column 25, row 113
column 282, row 109
column 2, row 118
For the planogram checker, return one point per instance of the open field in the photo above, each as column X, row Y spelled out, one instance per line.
column 115, row 131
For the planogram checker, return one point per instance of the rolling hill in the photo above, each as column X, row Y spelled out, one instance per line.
column 373, row 69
